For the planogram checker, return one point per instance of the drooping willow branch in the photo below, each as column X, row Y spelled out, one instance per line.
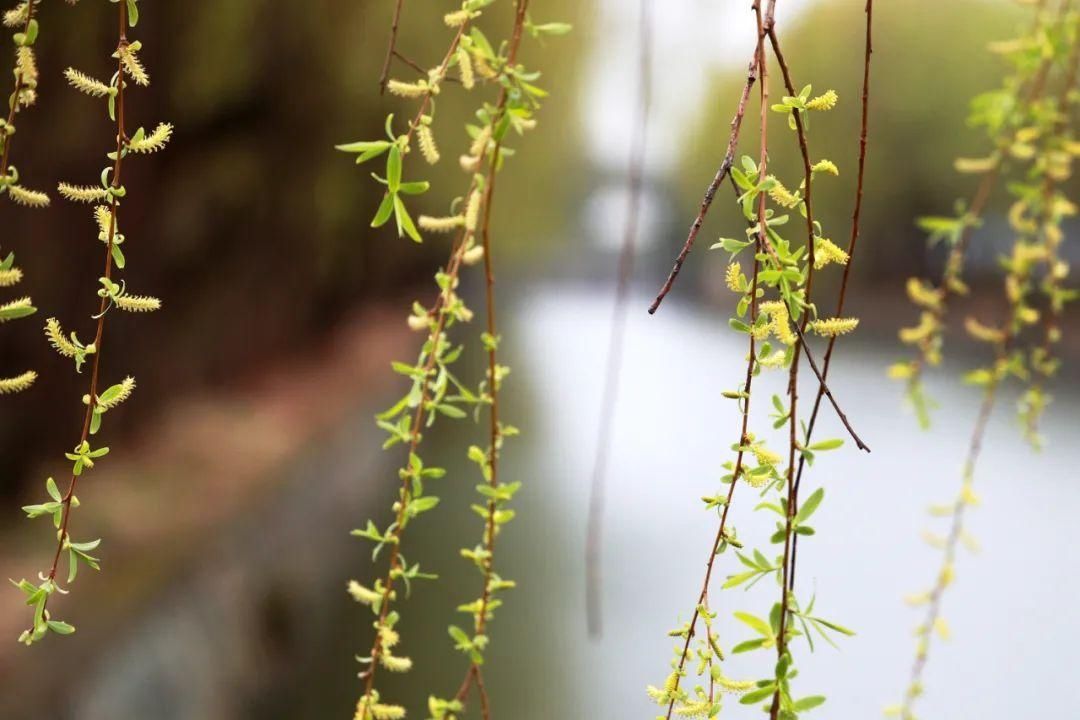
column 1032, row 267
column 785, row 268
column 21, row 19
column 1023, row 89
column 850, row 251
column 112, row 294
column 635, row 195
column 435, row 388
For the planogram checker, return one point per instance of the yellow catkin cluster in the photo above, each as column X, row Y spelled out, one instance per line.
column 781, row 195
column 923, row 294
column 826, row 251
column 28, row 198
column 406, row 89
column 779, row 321
column 82, row 193
column 465, row 68
column 928, row 324
column 428, row 148
column 827, row 166
column 86, row 84
column 733, row 277
column 825, row 101
column 982, row 332
column 18, row 383
column 154, row 141
column 833, row 327
column 129, row 56
column 441, row 224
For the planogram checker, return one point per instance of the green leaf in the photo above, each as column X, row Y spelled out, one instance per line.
column 810, row 506
column 385, row 209
column 755, row 623
column 60, row 627
column 393, row 169
column 808, row 703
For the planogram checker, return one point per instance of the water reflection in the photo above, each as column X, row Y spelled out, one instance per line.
column 672, row 434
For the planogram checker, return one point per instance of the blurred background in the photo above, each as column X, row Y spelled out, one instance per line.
column 249, row 451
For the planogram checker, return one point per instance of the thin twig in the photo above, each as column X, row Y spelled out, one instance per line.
column 384, row 77
column 721, row 532
column 710, row 192
column 121, row 138
column 852, row 244
column 636, row 181
column 15, row 104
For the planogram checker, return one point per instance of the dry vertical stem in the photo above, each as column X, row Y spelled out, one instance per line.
column 635, row 195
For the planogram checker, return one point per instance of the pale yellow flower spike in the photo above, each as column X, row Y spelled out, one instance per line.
column 834, row 327
column 826, row 251
column 782, row 196
column 82, row 193
column 827, row 101
column 465, row 67
column 441, row 224
column 408, row 90
column 428, row 148
column 29, row 198
column 86, row 84
column 827, row 166
column 18, row 383
column 733, row 277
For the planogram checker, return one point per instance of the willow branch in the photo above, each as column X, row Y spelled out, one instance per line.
column 710, row 192
column 391, row 48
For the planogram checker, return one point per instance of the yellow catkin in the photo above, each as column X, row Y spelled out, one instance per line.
column 138, row 303
column 394, row 663
column 82, row 193
column 58, row 340
column 126, row 388
column 982, row 332
column 17, row 15
column 441, row 224
column 926, row 327
column 134, row 66
column 833, row 327
column 362, row 594
column 428, row 148
column 86, row 84
column 825, row 101
column 465, row 68
column 923, row 294
column 18, row 383
column 781, row 195
column 733, row 277
column 827, row 166
column 780, row 321
column 23, row 303
column 480, row 143
column 472, row 211
column 10, row 277
column 154, row 141
column 826, row 251
column 28, row 198
column 407, row 90
column 456, row 18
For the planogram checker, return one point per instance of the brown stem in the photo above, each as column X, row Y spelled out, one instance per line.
column 636, row 181
column 710, row 192
column 121, row 138
column 759, row 61
column 852, row 244
column 391, row 48
column 453, row 269
column 19, row 85
column 793, row 373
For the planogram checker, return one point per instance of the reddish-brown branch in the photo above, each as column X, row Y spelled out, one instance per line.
column 121, row 138
column 710, row 192
column 636, row 182
column 852, row 244
column 391, row 48
column 13, row 111
column 703, row 595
